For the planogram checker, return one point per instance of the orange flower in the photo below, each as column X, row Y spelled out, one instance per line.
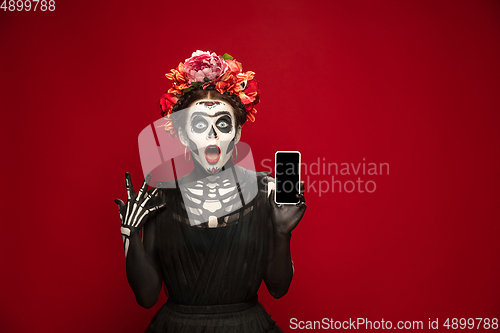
column 229, row 84
column 180, row 82
column 246, row 76
column 250, row 114
column 169, row 127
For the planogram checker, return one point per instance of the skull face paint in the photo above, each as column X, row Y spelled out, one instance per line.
column 211, row 133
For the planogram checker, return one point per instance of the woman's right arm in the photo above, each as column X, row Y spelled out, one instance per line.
column 143, row 271
column 141, row 261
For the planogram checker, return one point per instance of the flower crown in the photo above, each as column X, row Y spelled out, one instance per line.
column 204, row 69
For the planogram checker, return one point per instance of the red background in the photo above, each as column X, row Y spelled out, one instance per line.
column 412, row 84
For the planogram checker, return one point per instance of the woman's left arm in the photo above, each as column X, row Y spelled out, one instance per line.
column 283, row 218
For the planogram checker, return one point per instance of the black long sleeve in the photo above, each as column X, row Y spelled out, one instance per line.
column 143, row 274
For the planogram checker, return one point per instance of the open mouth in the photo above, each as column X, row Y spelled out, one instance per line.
column 212, row 154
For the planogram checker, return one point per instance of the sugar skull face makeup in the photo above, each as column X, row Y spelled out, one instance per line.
column 211, row 133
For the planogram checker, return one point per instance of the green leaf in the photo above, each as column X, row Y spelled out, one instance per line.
column 196, row 84
column 227, row 56
column 206, row 79
column 188, row 89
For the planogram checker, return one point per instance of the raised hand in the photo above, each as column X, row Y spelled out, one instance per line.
column 134, row 213
column 286, row 217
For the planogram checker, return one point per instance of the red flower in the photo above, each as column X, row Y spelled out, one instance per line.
column 167, row 101
column 234, row 66
column 250, row 97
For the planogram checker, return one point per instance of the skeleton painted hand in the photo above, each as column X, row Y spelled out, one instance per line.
column 134, row 213
column 286, row 217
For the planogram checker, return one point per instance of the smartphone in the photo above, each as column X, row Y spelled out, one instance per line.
column 287, row 174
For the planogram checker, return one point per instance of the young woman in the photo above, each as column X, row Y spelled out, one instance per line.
column 213, row 235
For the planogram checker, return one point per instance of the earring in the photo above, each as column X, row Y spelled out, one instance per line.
column 235, row 150
column 187, row 154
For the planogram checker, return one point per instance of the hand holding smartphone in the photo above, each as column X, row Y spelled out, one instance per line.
column 287, row 175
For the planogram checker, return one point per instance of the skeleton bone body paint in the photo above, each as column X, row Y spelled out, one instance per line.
column 209, row 199
column 136, row 210
column 210, row 133
column 214, row 201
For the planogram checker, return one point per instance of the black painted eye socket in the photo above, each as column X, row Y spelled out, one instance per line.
column 199, row 124
column 224, row 124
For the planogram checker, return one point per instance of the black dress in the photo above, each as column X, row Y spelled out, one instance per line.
column 212, row 275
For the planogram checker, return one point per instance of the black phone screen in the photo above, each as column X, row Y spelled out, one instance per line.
column 287, row 172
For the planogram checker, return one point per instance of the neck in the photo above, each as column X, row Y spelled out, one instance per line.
column 199, row 172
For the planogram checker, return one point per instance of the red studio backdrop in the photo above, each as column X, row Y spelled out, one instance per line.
column 402, row 96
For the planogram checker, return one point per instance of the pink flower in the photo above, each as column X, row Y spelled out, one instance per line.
column 204, row 67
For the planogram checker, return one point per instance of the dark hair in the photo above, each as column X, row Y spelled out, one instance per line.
column 198, row 93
